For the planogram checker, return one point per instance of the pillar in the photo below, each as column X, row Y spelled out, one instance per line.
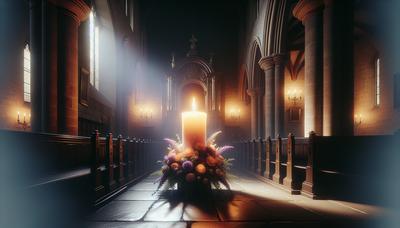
column 51, row 71
column 36, row 14
column 279, row 60
column 254, row 97
column 338, row 85
column 267, row 64
column 310, row 13
column 54, row 49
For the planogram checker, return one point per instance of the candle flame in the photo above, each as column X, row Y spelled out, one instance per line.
column 194, row 106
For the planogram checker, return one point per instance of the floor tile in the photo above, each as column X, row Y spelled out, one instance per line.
column 144, row 186
column 286, row 210
column 136, row 225
column 139, row 195
column 239, row 210
column 122, row 211
column 165, row 211
column 200, row 211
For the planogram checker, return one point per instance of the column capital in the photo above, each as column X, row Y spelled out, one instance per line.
column 266, row 63
column 253, row 92
column 279, row 58
column 304, row 7
column 78, row 8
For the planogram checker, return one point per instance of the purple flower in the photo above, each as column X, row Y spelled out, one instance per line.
column 187, row 165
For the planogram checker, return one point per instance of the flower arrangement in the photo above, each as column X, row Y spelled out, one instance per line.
column 201, row 166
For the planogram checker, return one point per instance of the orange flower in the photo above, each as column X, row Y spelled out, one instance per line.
column 200, row 168
column 175, row 166
column 211, row 161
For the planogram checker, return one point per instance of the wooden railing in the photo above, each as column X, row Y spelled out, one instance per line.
column 318, row 166
column 96, row 167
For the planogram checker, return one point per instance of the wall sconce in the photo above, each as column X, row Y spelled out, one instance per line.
column 294, row 95
column 26, row 123
column 146, row 113
column 358, row 118
column 234, row 113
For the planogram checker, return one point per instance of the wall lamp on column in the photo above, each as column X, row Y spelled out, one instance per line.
column 294, row 95
column 234, row 114
column 358, row 118
column 146, row 113
column 25, row 123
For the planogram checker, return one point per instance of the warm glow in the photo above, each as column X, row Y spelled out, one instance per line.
column 294, row 94
column 145, row 112
column 358, row 118
column 194, row 105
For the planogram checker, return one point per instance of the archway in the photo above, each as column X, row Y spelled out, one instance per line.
column 259, row 85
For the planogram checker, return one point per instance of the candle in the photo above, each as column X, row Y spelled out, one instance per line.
column 194, row 125
column 18, row 116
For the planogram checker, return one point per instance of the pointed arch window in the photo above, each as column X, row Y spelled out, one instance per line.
column 377, row 82
column 27, row 74
column 94, row 51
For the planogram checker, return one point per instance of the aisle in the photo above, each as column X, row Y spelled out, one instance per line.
column 252, row 203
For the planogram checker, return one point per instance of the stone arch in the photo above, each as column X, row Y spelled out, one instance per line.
column 275, row 25
column 256, row 72
column 243, row 84
column 255, row 52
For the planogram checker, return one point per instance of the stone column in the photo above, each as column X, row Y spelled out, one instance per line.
column 254, row 96
column 267, row 64
column 51, row 69
column 36, row 15
column 310, row 13
column 70, row 15
column 338, row 85
column 54, row 44
column 279, row 61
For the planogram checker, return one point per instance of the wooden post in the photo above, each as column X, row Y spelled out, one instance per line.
column 98, row 187
column 278, row 151
column 247, row 154
column 308, row 186
column 110, row 162
column 244, row 164
column 130, row 161
column 253, row 155
column 259, row 159
column 288, row 180
column 121, row 160
column 268, row 147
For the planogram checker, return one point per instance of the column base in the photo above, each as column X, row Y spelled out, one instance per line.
column 267, row 174
column 277, row 178
column 308, row 190
column 289, row 184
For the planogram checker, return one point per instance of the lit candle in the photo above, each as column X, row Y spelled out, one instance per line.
column 18, row 117
column 194, row 125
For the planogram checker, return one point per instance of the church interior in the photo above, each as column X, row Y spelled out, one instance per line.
column 108, row 110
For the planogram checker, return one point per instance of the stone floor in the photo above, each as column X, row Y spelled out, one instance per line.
column 252, row 203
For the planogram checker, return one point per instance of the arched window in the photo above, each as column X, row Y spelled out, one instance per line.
column 27, row 74
column 377, row 82
column 94, row 51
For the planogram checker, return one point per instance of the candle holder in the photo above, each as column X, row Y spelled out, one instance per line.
column 25, row 124
column 294, row 96
column 146, row 114
column 358, row 118
column 234, row 114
